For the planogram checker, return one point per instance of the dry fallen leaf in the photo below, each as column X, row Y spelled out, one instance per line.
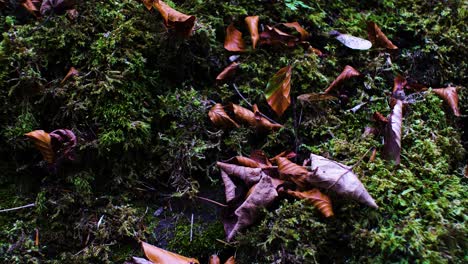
column 230, row 260
column 71, row 73
column 42, row 142
column 392, row 136
column 260, row 157
column 220, row 118
column 290, row 171
column 229, row 188
column 246, row 162
column 351, row 42
column 63, row 142
column 317, row 199
column 254, row 119
column 214, row 259
column 181, row 23
column 304, row 34
column 32, row 6
column 274, row 36
column 377, row 116
column 252, row 24
column 339, row 178
column 377, row 37
column 278, row 90
column 248, row 175
column 347, row 73
column 316, row 97
column 228, row 72
column 285, row 154
column 450, row 97
column 233, row 40
column 161, row 256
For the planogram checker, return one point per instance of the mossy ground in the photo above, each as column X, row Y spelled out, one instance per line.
column 139, row 109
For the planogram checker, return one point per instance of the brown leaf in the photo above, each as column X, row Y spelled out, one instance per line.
column 377, row 116
column 63, row 142
column 233, row 40
column 290, row 171
column 316, row 97
column 260, row 157
column 214, row 259
column 278, row 90
column 392, row 136
column 276, row 37
column 339, row 178
column 136, row 260
column 220, row 118
column 230, row 260
column 347, row 73
column 181, row 23
column 228, row 72
column 254, row 119
column 317, row 199
column 373, row 155
column 399, row 84
column 230, row 189
column 304, row 34
column 161, row 256
column 285, row 154
column 42, row 142
column 252, row 24
column 148, row 3
column 249, row 176
column 377, row 37
column 32, row 6
column 246, row 162
column 450, row 97
column 71, row 73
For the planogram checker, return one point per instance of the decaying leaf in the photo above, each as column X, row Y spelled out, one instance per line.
column 351, row 42
column 230, row 260
column 290, row 171
column 285, row 154
column 304, row 34
column 228, row 72
column 230, row 189
column 181, row 23
column 71, row 73
column 278, row 90
column 316, row 97
column 249, row 176
column 58, row 7
column 161, row 256
column 252, row 25
column 63, row 142
column 392, row 136
column 42, row 142
column 274, row 36
column 377, row 116
column 450, row 97
column 260, row 157
column 399, row 84
column 214, row 259
column 339, row 178
column 317, row 199
column 347, row 73
column 136, row 260
column 377, row 37
column 220, row 118
column 246, row 162
column 254, row 119
column 233, row 40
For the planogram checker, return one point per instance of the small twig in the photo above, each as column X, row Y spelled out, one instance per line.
column 191, row 228
column 224, row 242
column 17, row 208
column 248, row 103
column 211, row 201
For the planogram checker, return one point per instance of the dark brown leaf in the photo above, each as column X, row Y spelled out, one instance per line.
column 276, row 37
column 161, row 256
column 278, row 90
column 220, row 118
column 392, row 136
column 182, row 24
column 377, row 37
column 450, row 97
column 63, row 143
column 214, row 259
column 347, row 73
column 252, row 24
column 260, row 157
column 254, row 119
column 304, row 34
column 317, row 199
column 233, row 40
column 290, row 171
column 228, row 72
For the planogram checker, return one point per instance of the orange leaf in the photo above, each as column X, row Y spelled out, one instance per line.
column 285, row 154
column 290, row 171
column 450, row 97
column 317, row 199
column 228, row 72
column 42, row 142
column 233, row 40
column 181, row 23
column 214, row 259
column 161, row 256
column 377, row 37
column 36, row 240
column 373, row 155
column 347, row 73
column 230, row 260
column 254, row 119
column 377, row 116
column 220, row 118
column 304, row 34
column 71, row 73
column 31, row 6
column 278, row 90
column 252, row 24
column 246, row 162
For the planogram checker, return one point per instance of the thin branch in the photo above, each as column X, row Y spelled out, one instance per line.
column 211, row 201
column 17, row 208
column 249, row 104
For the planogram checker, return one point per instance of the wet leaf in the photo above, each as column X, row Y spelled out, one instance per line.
column 450, row 97
column 317, row 199
column 228, row 72
column 392, row 136
column 58, row 7
column 254, row 119
column 249, row 176
column 181, row 23
column 316, row 97
column 339, row 178
column 377, row 37
column 71, row 73
column 290, row 171
column 351, row 42
column 252, row 25
column 304, row 34
column 278, row 90
column 220, row 118
column 161, row 256
column 233, row 40
column 347, row 73
column 276, row 37
column 42, row 142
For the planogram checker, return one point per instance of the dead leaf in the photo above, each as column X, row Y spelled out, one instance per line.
column 377, row 116
column 161, row 256
column 392, row 136
column 181, row 23
column 290, row 171
column 316, row 97
column 285, row 154
column 220, row 118
column 32, row 6
column 260, row 157
column 63, row 142
column 246, row 162
column 304, row 34
column 377, row 37
column 42, row 142
column 276, row 37
column 399, row 84
column 136, row 260
column 347, row 73
column 233, row 40
column 71, row 73
column 254, row 119
column 278, row 90
column 58, row 7
column 252, row 25
column 450, row 97
column 230, row 189
column 228, row 72
column 373, row 155
column 351, row 42
column 249, row 176
column 339, row 178
column 230, row 260
column 214, row 259
column 317, row 199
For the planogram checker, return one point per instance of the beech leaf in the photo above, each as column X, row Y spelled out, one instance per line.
column 233, row 40
column 249, row 176
column 316, row 97
column 254, row 119
column 228, row 72
column 290, row 171
column 274, row 36
column 231, row 260
column 181, row 23
column 252, row 25
column 260, row 157
column 351, row 42
column 339, row 178
column 347, row 73
column 450, row 97
column 246, row 162
column 161, row 256
column 220, row 118
column 42, row 142
column 317, row 199
column 377, row 37
column 71, row 73
column 278, row 90
column 392, row 136
column 304, row 34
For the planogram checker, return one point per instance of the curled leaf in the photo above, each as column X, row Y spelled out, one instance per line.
column 274, row 36
column 161, row 256
column 63, row 142
column 249, row 176
column 392, row 136
column 377, row 37
column 351, row 42
column 450, row 97
column 347, row 73
column 339, row 178
column 278, row 90
column 229, row 188
column 214, row 259
column 252, row 25
column 260, row 157
column 181, row 23
column 304, row 34
column 317, row 199
column 220, row 118
column 290, row 171
column 233, row 40
column 228, row 72
column 71, row 73
column 399, row 84
column 254, row 119
column 316, row 97
column 42, row 142
column 230, row 260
